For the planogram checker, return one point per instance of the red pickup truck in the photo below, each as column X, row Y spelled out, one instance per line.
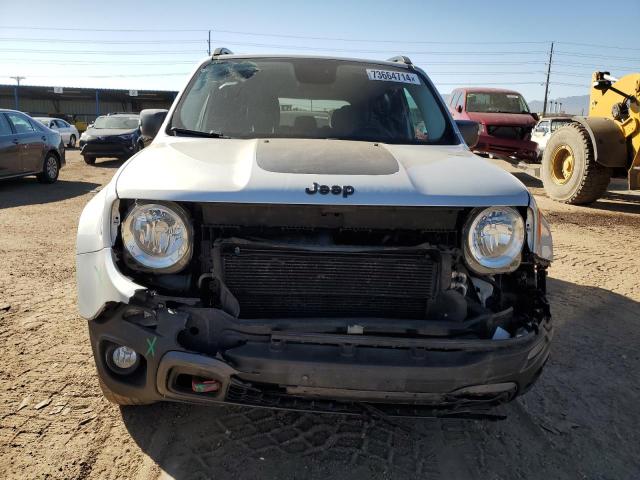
column 504, row 117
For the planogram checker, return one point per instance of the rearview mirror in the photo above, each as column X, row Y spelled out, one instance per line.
column 459, row 108
column 151, row 121
column 470, row 131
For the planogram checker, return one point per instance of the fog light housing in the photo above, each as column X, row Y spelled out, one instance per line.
column 121, row 359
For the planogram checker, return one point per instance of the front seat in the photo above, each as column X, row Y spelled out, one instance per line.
column 343, row 121
column 306, row 125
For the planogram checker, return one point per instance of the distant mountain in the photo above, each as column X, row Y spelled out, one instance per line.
column 578, row 105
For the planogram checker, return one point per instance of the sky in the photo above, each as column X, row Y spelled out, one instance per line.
column 156, row 44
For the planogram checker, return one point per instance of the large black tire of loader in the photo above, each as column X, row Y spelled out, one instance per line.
column 587, row 181
column 119, row 399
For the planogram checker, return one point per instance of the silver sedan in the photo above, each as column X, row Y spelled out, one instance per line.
column 68, row 132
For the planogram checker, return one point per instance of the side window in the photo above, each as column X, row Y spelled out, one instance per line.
column 5, row 128
column 52, row 124
column 20, row 123
column 60, row 124
column 453, row 97
column 417, row 121
column 543, row 127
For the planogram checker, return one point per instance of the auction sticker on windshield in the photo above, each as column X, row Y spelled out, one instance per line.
column 391, row 76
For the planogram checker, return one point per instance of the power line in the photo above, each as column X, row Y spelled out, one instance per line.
column 265, row 45
column 114, row 75
column 100, row 42
column 111, row 52
column 59, row 29
column 193, row 62
column 324, row 38
column 593, row 45
column 97, row 62
column 279, row 35
column 592, row 55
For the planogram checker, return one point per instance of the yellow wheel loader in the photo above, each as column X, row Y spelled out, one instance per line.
column 580, row 158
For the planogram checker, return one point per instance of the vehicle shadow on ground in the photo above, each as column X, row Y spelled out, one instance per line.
column 111, row 163
column 28, row 191
column 551, row 432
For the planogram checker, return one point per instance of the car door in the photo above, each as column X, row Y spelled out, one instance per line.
column 31, row 142
column 9, row 156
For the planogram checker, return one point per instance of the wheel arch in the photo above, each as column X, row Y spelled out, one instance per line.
column 607, row 140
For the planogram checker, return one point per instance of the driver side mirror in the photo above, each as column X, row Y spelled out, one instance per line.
column 151, row 121
column 470, row 131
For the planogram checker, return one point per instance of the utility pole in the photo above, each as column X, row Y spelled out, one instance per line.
column 209, row 43
column 15, row 90
column 546, row 88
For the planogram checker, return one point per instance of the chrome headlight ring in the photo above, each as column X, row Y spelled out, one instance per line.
column 493, row 240
column 158, row 237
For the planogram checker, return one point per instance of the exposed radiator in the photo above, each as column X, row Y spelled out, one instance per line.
column 278, row 282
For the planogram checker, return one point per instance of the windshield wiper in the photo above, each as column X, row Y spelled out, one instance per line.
column 195, row 133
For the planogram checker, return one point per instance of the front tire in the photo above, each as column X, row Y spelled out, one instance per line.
column 570, row 173
column 72, row 141
column 50, row 169
column 89, row 160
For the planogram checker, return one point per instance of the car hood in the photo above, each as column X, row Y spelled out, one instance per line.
column 108, row 132
column 280, row 170
column 519, row 119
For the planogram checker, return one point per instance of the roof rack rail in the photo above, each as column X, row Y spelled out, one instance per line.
column 401, row 59
column 221, row 51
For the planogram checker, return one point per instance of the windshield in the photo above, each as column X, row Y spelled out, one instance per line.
column 496, row 102
column 120, row 122
column 312, row 98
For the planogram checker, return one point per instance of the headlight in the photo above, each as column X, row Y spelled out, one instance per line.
column 494, row 238
column 126, row 136
column 158, row 237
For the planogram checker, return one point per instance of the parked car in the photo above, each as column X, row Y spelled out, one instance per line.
column 319, row 266
column 114, row 135
column 545, row 127
column 29, row 148
column 68, row 132
column 504, row 117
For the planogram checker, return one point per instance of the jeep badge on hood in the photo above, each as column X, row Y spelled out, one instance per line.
column 345, row 190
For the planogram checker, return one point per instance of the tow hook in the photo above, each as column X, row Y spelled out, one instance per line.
column 202, row 385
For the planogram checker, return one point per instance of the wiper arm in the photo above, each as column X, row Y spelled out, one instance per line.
column 195, row 133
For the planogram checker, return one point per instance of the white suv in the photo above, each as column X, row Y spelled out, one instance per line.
column 543, row 130
column 313, row 233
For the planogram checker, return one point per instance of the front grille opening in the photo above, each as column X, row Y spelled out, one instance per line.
column 288, row 283
column 511, row 132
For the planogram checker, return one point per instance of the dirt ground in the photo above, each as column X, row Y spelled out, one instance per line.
column 580, row 421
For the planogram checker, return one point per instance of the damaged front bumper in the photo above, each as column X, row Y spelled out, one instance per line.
column 288, row 364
